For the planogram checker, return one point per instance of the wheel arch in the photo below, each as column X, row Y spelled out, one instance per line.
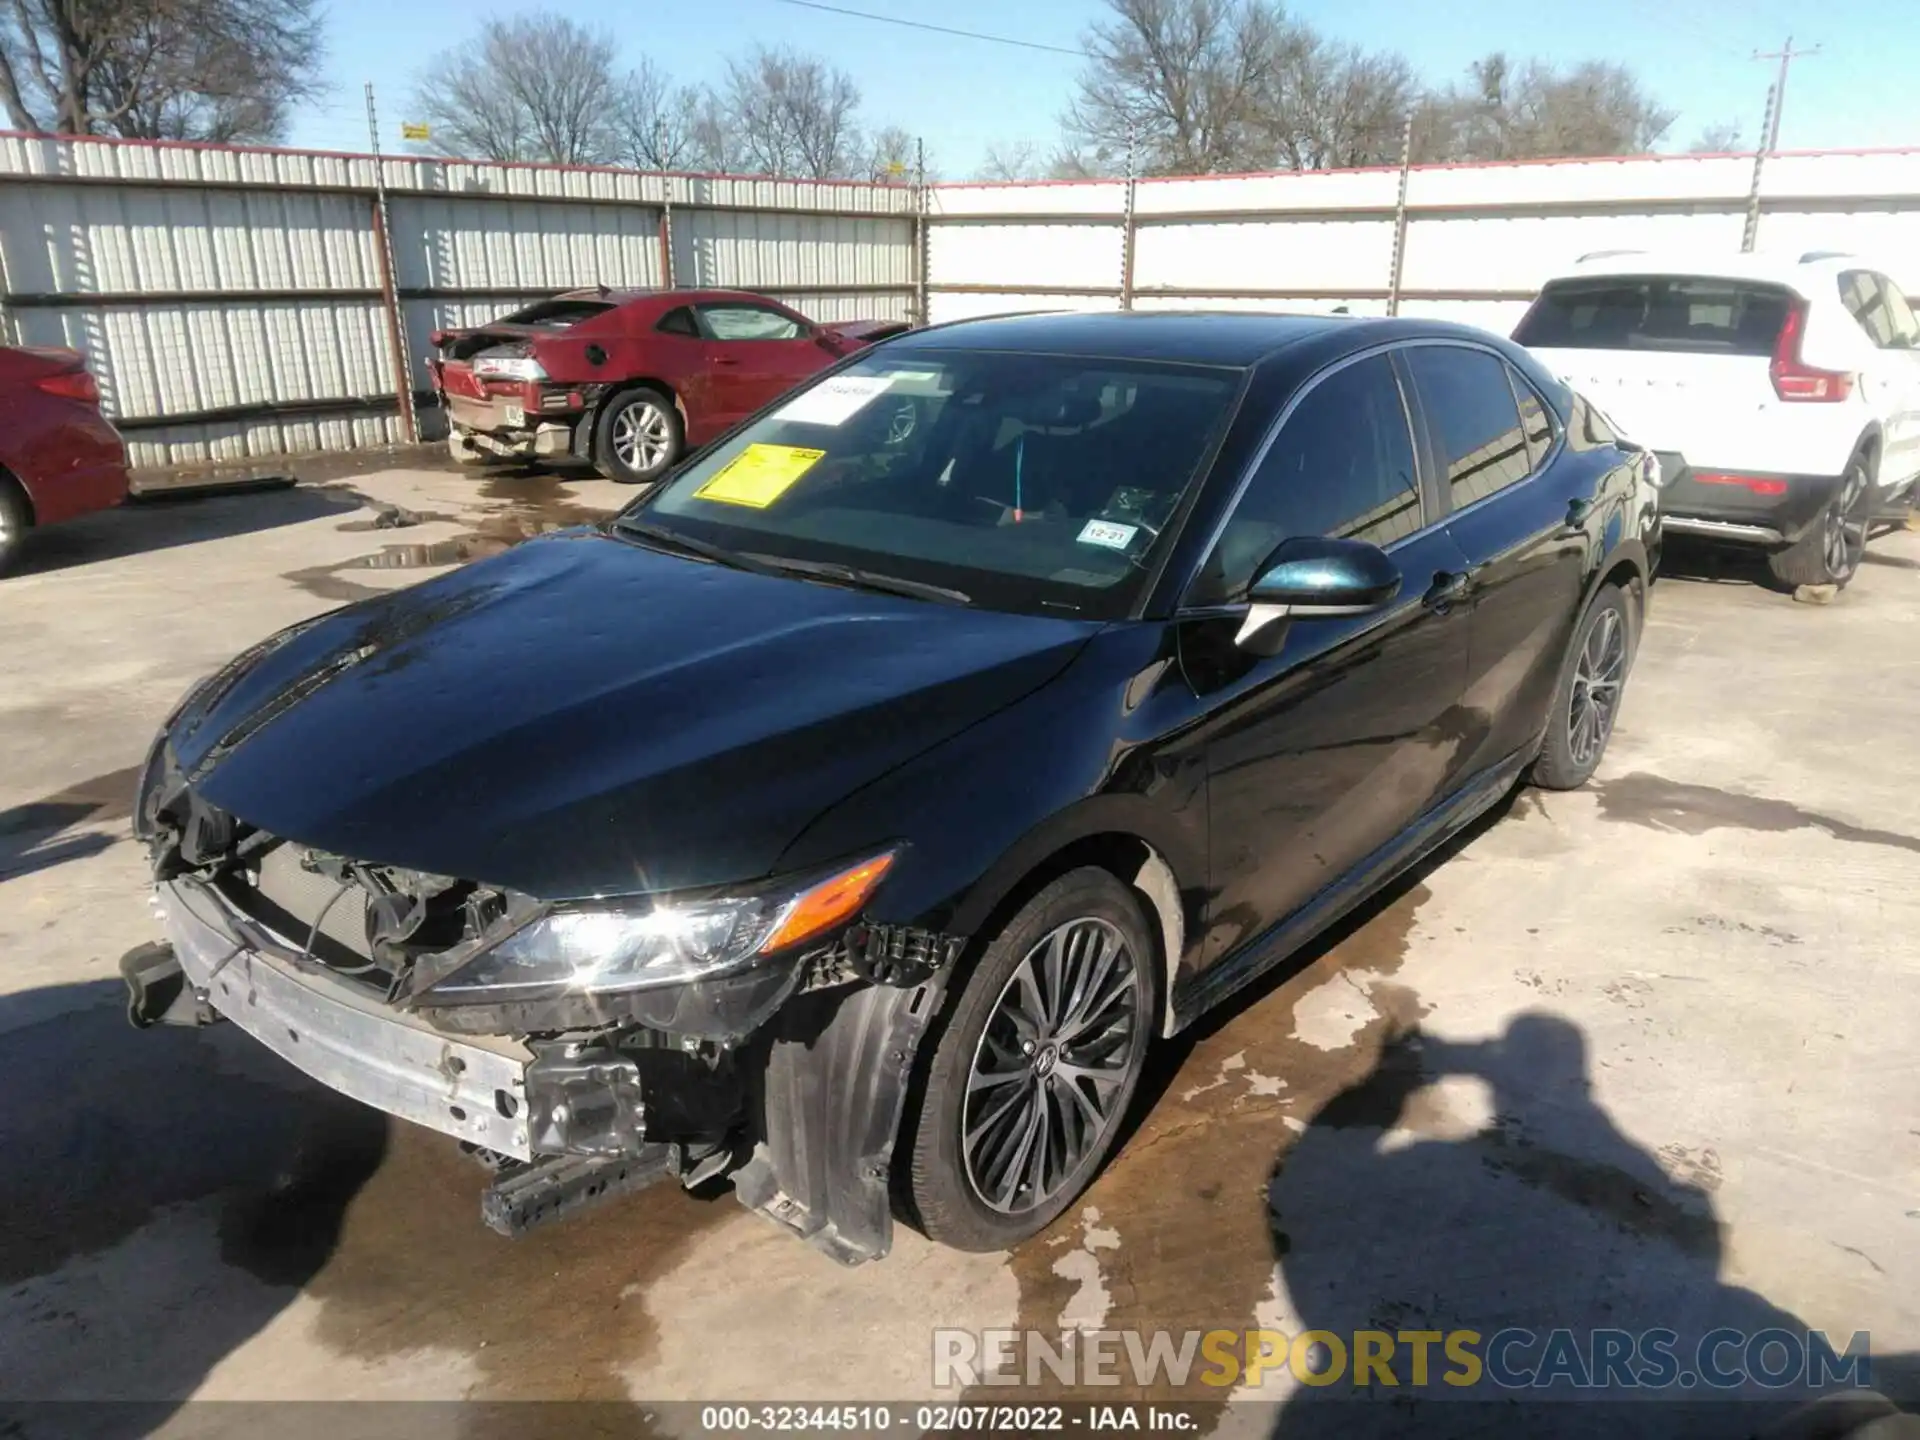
column 1133, row 860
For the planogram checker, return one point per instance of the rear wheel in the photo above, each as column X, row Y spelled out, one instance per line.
column 1587, row 700
column 1036, row 1066
column 637, row 437
column 1829, row 553
column 16, row 518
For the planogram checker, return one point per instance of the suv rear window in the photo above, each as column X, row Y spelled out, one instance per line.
column 1682, row 314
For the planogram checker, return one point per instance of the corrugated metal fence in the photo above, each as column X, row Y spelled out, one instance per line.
column 1478, row 239
column 237, row 303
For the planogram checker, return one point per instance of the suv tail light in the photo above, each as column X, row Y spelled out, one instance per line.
column 1794, row 381
column 71, row 385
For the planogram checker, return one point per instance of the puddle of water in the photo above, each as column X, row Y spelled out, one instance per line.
column 1184, row 1203
column 1662, row 804
column 529, row 505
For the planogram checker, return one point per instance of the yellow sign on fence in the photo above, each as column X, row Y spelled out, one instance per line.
column 414, row 132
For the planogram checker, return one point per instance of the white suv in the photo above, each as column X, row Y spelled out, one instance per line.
column 1781, row 394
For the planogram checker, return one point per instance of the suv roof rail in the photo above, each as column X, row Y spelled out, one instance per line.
column 1813, row 255
column 1605, row 255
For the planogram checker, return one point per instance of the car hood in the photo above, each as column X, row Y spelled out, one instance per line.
column 581, row 715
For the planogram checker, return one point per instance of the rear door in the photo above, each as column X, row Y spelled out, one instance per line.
column 1322, row 754
column 1881, row 310
column 754, row 352
column 1680, row 363
column 1519, row 519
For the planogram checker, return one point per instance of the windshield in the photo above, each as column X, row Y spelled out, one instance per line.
column 1038, row 483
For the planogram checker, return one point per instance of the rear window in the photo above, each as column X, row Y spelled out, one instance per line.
column 558, row 313
column 1680, row 314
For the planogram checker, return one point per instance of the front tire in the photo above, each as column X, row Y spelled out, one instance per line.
column 1587, row 700
column 1829, row 553
column 638, row 437
column 1035, row 1067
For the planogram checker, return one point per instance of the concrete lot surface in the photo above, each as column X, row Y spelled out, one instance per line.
column 1639, row 1055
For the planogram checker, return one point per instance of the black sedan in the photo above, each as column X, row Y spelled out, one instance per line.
column 850, row 815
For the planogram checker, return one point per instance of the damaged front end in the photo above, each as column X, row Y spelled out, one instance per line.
column 581, row 1049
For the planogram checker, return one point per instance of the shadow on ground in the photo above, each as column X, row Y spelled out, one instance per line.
column 1585, row 1265
column 163, row 521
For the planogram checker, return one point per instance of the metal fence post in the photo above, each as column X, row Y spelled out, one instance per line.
column 922, row 232
column 666, row 209
column 1751, row 233
column 389, row 295
column 1400, row 221
column 1128, row 225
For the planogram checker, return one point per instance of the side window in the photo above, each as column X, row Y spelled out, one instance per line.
column 1343, row 466
column 1536, row 421
column 679, row 322
column 1882, row 310
column 1471, row 408
column 748, row 322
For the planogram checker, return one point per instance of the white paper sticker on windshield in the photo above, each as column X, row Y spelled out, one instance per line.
column 835, row 401
column 1107, row 533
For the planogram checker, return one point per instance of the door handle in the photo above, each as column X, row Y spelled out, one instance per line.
column 1447, row 590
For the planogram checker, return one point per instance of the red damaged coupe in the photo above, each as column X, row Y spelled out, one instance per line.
column 627, row 379
column 59, row 457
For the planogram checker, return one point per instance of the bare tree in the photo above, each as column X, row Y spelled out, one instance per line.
column 1186, row 79
column 538, row 87
column 1723, row 138
column 1015, row 160
column 1531, row 111
column 1334, row 106
column 158, row 69
column 793, row 114
column 657, row 123
column 893, row 157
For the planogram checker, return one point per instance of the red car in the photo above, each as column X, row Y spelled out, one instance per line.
column 627, row 379
column 59, row 457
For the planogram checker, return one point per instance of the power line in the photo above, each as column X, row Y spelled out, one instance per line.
column 937, row 29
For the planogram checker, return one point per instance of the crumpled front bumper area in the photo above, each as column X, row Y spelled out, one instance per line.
column 472, row 1088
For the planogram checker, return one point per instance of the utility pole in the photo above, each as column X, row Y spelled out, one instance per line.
column 1786, row 55
column 1770, row 138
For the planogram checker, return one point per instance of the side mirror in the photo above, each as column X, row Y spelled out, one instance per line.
column 827, row 340
column 1310, row 577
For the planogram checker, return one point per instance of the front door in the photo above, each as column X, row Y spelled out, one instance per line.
column 754, row 353
column 1324, row 753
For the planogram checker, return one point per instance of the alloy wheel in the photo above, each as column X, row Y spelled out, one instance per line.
column 1846, row 526
column 641, row 436
column 1597, row 679
column 1051, row 1067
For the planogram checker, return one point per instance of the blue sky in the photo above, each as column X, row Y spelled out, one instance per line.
column 961, row 95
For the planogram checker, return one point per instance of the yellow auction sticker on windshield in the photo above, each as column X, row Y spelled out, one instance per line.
column 759, row 475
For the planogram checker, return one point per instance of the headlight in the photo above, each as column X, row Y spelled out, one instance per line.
column 606, row 947
column 509, row 367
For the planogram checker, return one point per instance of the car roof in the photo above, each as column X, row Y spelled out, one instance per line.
column 1798, row 270
column 1236, row 339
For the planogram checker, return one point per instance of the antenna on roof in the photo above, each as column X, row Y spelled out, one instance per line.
column 601, row 286
column 1813, row 255
column 1606, row 255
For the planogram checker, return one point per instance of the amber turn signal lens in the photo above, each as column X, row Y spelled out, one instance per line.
column 835, row 899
